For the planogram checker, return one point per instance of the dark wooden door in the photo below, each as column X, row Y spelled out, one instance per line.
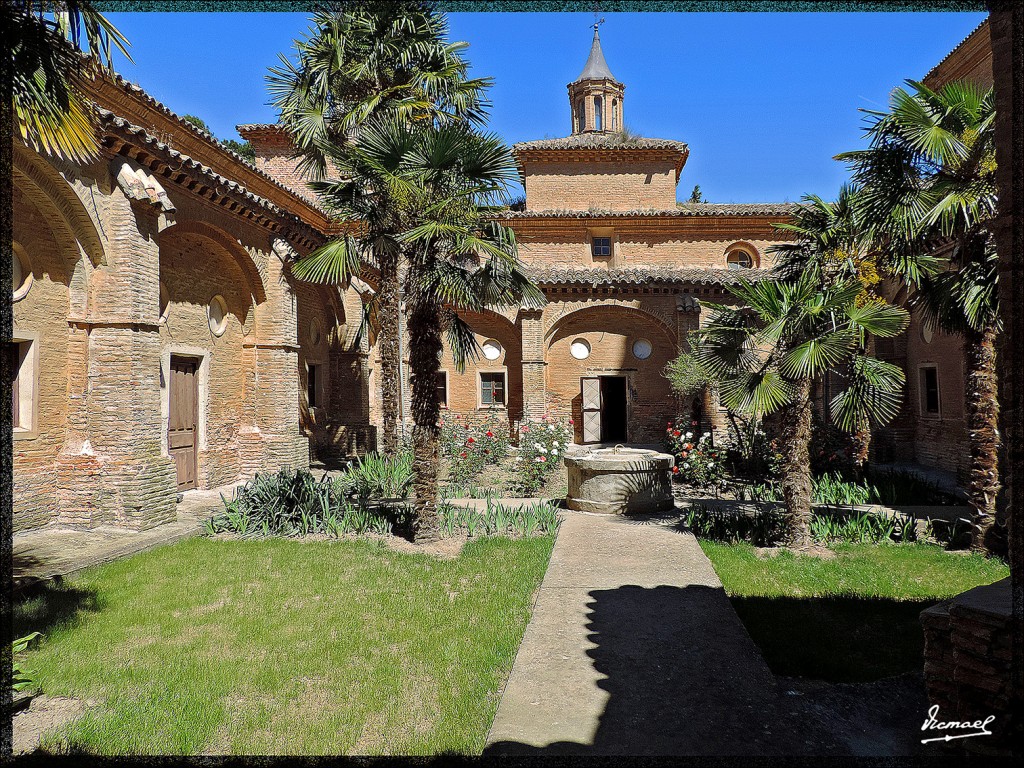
column 613, row 409
column 182, row 420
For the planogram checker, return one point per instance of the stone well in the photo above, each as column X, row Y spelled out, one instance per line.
column 616, row 481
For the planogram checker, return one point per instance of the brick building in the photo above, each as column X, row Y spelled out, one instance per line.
column 623, row 267
column 160, row 344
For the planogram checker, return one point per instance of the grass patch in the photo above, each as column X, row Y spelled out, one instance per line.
column 852, row 618
column 286, row 647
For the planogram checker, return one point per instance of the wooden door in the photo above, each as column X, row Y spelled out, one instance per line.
column 590, row 390
column 182, row 419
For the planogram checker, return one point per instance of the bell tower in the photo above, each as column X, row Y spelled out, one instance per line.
column 595, row 97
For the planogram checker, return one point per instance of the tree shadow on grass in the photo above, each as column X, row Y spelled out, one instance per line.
column 44, row 605
column 836, row 639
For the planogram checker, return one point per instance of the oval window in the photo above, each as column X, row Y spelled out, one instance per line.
column 580, row 349
column 218, row 315
column 926, row 333
column 315, row 334
column 491, row 349
column 642, row 349
column 21, row 277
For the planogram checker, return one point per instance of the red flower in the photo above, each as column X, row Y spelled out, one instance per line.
column 571, row 422
column 458, row 418
column 466, row 426
column 676, row 433
column 470, row 441
column 684, row 454
column 693, row 423
column 675, row 470
column 462, row 455
column 489, row 433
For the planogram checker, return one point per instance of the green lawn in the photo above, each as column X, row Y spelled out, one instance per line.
column 853, row 618
column 286, row 647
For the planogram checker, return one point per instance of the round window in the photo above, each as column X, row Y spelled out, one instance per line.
column 739, row 259
column 580, row 349
column 21, row 279
column 492, row 349
column 642, row 349
column 165, row 303
column 218, row 315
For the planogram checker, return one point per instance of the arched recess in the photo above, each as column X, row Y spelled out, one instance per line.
column 49, row 190
column 231, row 246
column 465, row 388
column 573, row 317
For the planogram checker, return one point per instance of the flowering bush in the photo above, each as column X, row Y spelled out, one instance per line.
column 541, row 447
column 470, row 446
column 698, row 461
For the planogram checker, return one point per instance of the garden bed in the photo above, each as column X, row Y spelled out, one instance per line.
column 278, row 646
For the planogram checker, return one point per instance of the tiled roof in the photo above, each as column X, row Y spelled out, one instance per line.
column 636, row 275
column 140, row 93
column 683, row 209
column 259, row 127
column 608, row 141
column 955, row 49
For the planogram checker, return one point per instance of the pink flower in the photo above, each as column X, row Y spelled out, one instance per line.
column 571, row 422
column 543, row 458
column 693, row 423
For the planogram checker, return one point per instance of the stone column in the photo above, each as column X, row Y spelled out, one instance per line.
column 531, row 329
column 112, row 468
column 270, row 438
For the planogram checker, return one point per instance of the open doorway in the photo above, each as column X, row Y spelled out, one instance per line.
column 604, row 409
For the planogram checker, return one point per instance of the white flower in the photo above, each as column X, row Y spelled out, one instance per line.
column 689, row 435
column 554, row 452
column 538, row 446
column 686, row 465
column 518, row 458
column 711, row 464
column 551, row 427
column 543, row 449
column 554, row 443
column 706, row 434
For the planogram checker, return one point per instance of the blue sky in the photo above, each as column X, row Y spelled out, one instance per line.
column 763, row 99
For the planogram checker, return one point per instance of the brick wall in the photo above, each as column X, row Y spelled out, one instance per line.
column 610, row 185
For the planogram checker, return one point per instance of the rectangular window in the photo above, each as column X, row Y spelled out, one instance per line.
column 929, row 385
column 601, row 246
column 22, row 358
column 312, row 374
column 492, row 389
column 442, row 388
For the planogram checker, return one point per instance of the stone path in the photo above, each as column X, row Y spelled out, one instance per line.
column 51, row 551
column 634, row 649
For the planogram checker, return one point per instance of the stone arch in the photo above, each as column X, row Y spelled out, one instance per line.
column 231, row 246
column 48, row 190
column 576, row 310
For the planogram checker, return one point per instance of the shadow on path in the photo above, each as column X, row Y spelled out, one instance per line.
column 681, row 681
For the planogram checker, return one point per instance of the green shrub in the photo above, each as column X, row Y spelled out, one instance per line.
column 297, row 504
column 23, row 679
column 499, row 520
column 377, row 476
column 470, row 446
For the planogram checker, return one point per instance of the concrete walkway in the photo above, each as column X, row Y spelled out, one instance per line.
column 53, row 550
column 634, row 649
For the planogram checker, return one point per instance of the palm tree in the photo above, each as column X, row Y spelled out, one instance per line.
column 49, row 72
column 367, row 60
column 442, row 181
column 829, row 238
column 928, row 188
column 767, row 354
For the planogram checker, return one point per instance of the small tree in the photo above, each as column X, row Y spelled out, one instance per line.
column 767, row 355
column 695, row 196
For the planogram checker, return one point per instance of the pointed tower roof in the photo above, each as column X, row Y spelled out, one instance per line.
column 596, row 67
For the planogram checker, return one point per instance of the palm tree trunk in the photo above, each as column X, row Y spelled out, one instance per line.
column 860, row 447
column 425, row 355
column 981, row 385
column 389, row 350
column 796, row 464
